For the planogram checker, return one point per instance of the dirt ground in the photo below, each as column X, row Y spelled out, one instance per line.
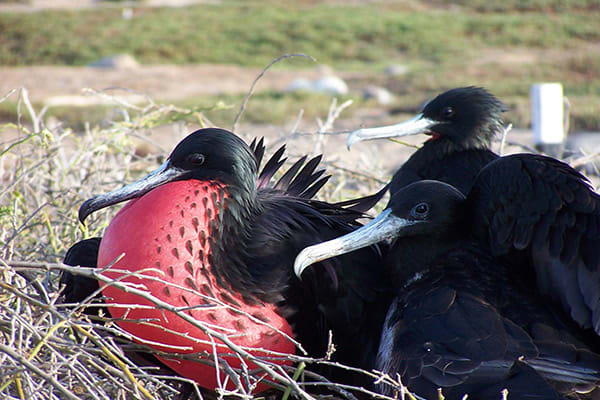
column 58, row 85
column 64, row 86
column 37, row 5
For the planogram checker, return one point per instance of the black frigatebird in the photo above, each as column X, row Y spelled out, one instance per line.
column 498, row 289
column 77, row 288
column 214, row 227
column 461, row 124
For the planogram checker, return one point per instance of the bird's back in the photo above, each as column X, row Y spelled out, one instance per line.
column 352, row 299
column 438, row 161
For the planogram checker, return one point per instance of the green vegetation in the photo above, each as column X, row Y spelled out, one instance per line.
column 251, row 34
column 264, row 108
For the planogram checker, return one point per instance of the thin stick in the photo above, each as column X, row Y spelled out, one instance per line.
column 31, row 366
column 251, row 91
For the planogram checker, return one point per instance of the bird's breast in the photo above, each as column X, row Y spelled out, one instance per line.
column 163, row 238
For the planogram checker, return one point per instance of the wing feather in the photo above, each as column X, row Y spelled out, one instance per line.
column 545, row 209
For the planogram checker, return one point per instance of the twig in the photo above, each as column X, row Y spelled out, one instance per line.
column 7, row 95
column 332, row 115
column 581, row 161
column 35, row 121
column 522, row 146
column 267, row 367
column 251, row 91
column 507, row 129
column 49, row 378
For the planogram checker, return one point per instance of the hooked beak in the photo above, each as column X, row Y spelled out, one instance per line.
column 165, row 173
column 384, row 226
column 413, row 126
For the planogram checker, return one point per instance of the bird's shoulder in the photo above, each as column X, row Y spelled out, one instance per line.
column 542, row 212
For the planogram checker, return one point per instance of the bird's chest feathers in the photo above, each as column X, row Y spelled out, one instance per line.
column 164, row 236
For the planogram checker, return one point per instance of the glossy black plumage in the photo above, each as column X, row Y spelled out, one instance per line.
column 558, row 229
column 462, row 123
column 506, row 276
column 78, row 288
column 263, row 228
column 528, row 230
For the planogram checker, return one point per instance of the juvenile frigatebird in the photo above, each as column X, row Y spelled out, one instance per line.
column 214, row 228
column 498, row 289
column 461, row 124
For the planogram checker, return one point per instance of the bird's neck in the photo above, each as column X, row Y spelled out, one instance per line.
column 413, row 256
column 230, row 236
column 443, row 145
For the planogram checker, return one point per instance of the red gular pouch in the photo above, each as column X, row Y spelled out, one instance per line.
column 164, row 235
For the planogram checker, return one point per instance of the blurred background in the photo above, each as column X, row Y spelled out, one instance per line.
column 389, row 57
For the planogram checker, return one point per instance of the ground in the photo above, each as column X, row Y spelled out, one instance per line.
column 64, row 86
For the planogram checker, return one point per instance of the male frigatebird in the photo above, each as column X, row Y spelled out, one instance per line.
column 461, row 124
column 216, row 235
column 498, row 289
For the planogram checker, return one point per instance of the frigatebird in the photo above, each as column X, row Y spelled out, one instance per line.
column 495, row 289
column 215, row 229
column 461, row 124
column 77, row 288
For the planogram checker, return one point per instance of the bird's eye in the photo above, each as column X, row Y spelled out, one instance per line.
column 447, row 112
column 420, row 210
column 196, row 159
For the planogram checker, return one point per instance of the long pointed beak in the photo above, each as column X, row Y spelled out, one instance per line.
column 385, row 226
column 413, row 126
column 165, row 173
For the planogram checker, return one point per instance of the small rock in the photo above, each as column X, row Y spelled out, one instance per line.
column 127, row 13
column 328, row 84
column 332, row 85
column 119, row 61
column 380, row 94
column 300, row 84
column 396, row 70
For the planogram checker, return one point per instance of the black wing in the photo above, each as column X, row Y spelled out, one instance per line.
column 353, row 299
column 441, row 337
column 542, row 211
column 462, row 327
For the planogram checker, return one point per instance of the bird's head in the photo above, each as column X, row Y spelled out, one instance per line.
column 467, row 116
column 206, row 154
column 430, row 209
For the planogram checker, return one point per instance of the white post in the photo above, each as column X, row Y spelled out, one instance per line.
column 547, row 117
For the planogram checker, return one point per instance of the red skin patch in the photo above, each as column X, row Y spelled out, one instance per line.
column 167, row 230
column 434, row 136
